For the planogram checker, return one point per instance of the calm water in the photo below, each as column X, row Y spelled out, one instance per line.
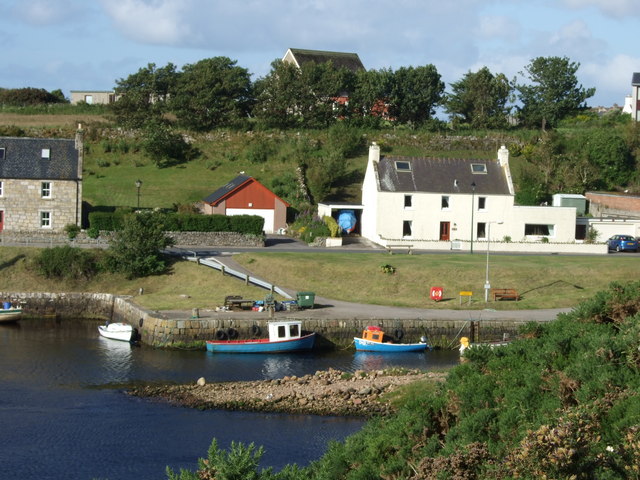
column 63, row 413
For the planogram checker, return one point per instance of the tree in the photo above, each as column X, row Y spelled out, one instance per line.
column 21, row 97
column 164, row 146
column 142, row 96
column 554, row 92
column 415, row 93
column 212, row 93
column 479, row 99
column 135, row 250
column 371, row 94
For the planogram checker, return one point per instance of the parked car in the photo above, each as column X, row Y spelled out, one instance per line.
column 621, row 243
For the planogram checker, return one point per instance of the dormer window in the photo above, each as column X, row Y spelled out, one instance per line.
column 1, row 153
column 46, row 153
column 402, row 166
column 478, row 168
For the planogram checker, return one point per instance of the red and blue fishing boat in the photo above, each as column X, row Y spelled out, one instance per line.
column 284, row 336
column 375, row 340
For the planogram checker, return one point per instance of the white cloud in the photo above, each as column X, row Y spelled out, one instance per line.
column 499, row 27
column 575, row 39
column 43, row 12
column 612, row 79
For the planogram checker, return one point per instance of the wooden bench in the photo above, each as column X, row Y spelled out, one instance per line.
column 236, row 301
column 390, row 248
column 505, row 294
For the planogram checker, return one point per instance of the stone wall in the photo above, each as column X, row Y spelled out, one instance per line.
column 22, row 203
column 159, row 330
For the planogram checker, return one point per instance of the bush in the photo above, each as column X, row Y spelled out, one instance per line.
column 72, row 230
column 67, row 263
column 332, row 225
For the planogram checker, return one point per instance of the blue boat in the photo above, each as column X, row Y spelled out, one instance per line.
column 373, row 340
column 283, row 337
column 347, row 220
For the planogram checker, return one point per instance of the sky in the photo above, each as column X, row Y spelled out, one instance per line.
column 91, row 44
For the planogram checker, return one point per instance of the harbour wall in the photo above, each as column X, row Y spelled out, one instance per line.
column 183, row 329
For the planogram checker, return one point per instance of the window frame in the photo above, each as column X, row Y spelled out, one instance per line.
column 408, row 201
column 479, row 168
column 46, row 189
column 482, row 203
column 402, row 165
column 407, row 229
column 46, row 219
column 445, row 202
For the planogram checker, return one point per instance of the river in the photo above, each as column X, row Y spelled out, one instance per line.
column 64, row 414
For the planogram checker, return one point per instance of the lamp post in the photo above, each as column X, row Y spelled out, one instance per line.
column 138, row 185
column 473, row 191
column 487, row 285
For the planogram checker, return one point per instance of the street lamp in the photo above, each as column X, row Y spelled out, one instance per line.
column 473, row 191
column 138, row 185
column 487, row 285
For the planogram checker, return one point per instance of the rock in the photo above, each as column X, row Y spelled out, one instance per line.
column 365, row 391
column 201, row 382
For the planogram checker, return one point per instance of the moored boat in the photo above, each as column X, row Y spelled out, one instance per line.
column 9, row 313
column 284, row 336
column 465, row 344
column 117, row 331
column 375, row 340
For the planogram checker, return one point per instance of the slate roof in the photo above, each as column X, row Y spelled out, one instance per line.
column 22, row 159
column 223, row 191
column 635, row 79
column 442, row 175
column 339, row 59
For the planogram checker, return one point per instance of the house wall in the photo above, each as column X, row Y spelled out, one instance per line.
column 96, row 97
column 22, row 203
column 607, row 204
column 607, row 227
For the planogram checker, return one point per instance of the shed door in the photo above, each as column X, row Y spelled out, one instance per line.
column 445, row 231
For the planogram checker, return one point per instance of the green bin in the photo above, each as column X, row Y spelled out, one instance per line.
column 305, row 299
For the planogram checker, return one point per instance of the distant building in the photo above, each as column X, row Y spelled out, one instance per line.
column 635, row 95
column 299, row 57
column 93, row 97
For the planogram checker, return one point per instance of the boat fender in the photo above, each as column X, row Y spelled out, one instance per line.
column 221, row 335
column 140, row 322
column 399, row 333
column 255, row 330
column 232, row 333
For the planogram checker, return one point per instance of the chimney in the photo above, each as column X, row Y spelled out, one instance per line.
column 503, row 156
column 374, row 153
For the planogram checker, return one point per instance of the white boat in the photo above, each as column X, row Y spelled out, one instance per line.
column 466, row 344
column 9, row 315
column 117, row 331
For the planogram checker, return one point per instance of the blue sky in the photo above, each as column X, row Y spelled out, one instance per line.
column 90, row 44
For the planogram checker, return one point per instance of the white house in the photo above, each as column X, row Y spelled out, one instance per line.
column 458, row 204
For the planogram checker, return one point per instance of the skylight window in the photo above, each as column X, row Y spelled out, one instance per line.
column 1, row 153
column 478, row 168
column 403, row 166
column 46, row 153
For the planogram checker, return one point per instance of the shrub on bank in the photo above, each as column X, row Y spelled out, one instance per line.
column 67, row 263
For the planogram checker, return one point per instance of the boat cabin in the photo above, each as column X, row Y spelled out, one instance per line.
column 373, row 334
column 285, row 330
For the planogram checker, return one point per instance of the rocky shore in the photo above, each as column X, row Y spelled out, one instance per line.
column 330, row 392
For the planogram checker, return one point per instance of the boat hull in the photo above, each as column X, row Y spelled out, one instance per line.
column 368, row 346
column 10, row 315
column 262, row 345
column 117, row 331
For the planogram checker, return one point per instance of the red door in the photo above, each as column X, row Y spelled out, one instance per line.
column 444, row 231
column 1, row 220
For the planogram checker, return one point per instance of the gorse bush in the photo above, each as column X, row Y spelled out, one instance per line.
column 67, row 263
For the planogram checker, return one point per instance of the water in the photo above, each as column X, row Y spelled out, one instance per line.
column 64, row 414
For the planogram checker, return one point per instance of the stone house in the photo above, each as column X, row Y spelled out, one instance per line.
column 245, row 195
column 93, row 97
column 448, row 204
column 40, row 183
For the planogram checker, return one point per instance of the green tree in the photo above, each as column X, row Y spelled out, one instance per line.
column 415, row 93
column 609, row 153
column 20, row 97
column 278, row 96
column 553, row 92
column 164, row 146
column 371, row 94
column 142, row 96
column 135, row 250
column 479, row 99
column 212, row 93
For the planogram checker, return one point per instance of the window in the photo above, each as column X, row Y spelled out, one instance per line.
column 294, row 331
column 481, row 230
column 482, row 203
column 536, row 229
column 88, row 99
column 281, row 331
column 406, row 228
column 444, row 202
column 478, row 168
column 45, row 190
column 1, row 189
column 403, row 166
column 1, row 153
column 408, row 201
column 46, row 153
column 45, row 219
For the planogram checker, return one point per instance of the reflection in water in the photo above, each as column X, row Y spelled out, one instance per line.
column 116, row 359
